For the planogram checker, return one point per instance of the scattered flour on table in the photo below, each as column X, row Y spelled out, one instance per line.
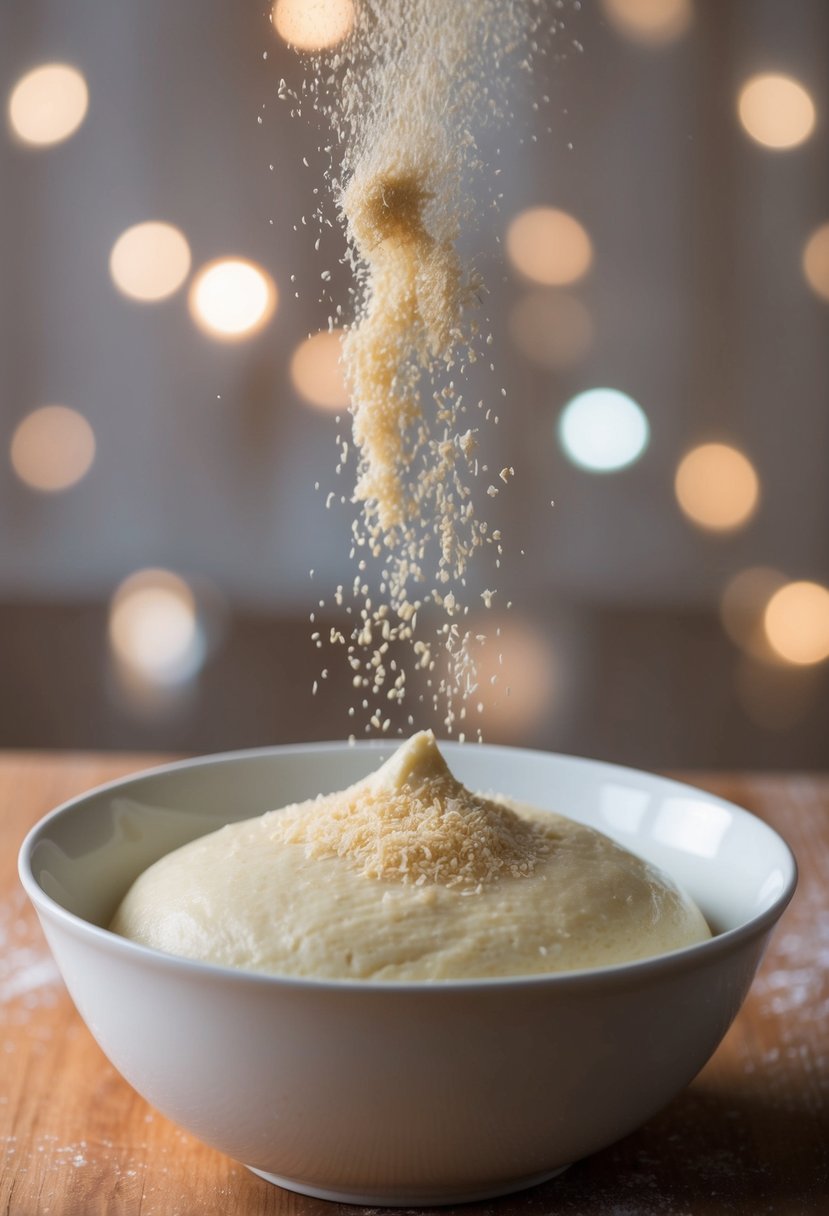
column 793, row 982
column 28, row 974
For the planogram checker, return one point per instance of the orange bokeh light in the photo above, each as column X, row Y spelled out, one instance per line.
column 717, row 487
column 549, row 246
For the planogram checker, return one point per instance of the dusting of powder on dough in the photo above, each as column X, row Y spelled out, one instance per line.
column 408, row 876
column 412, row 821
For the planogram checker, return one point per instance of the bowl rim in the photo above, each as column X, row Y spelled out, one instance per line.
column 683, row 958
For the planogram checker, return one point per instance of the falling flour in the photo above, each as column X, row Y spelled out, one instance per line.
column 407, row 96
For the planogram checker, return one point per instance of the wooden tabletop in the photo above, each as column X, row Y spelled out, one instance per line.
column 751, row 1135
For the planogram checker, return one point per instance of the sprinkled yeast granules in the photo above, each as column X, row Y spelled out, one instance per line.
column 407, row 95
column 412, row 822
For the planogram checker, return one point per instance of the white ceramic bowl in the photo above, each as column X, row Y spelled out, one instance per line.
column 404, row 1094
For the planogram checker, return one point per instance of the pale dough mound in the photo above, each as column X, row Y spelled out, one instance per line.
column 408, row 876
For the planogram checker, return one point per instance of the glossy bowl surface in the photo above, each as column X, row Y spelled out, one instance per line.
column 404, row 1094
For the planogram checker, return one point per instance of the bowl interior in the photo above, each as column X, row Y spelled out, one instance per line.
column 85, row 855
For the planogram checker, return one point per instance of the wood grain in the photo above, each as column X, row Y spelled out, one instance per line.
column 751, row 1135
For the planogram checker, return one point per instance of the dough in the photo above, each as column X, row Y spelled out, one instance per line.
column 408, row 876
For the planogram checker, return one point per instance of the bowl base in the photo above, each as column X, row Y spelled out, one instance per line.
column 412, row 1198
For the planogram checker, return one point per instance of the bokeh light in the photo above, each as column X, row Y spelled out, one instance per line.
column 48, row 104
column 816, row 261
column 52, row 448
column 154, row 629
column 232, row 298
column 317, row 371
column 549, row 246
column 652, row 22
column 603, row 430
column 150, row 261
column 776, row 111
column 797, row 623
column 717, row 487
column 743, row 607
column 518, row 677
column 551, row 328
column 313, row 25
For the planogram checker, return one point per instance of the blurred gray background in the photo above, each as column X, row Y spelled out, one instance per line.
column 697, row 283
